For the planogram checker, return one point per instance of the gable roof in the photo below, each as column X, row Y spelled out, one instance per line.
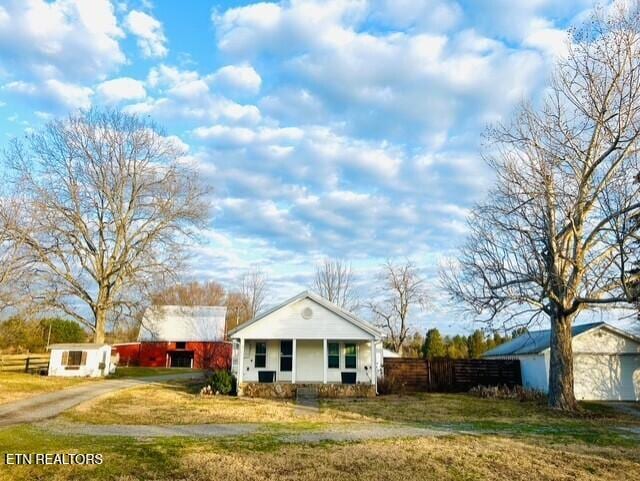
column 183, row 323
column 347, row 316
column 534, row 342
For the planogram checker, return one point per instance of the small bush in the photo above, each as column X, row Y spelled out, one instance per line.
column 219, row 382
column 505, row 392
column 391, row 385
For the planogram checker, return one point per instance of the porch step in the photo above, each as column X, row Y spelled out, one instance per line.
column 306, row 394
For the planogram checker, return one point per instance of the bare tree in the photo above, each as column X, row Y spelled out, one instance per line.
column 191, row 294
column 400, row 289
column 237, row 309
column 334, row 281
column 254, row 289
column 104, row 209
column 552, row 239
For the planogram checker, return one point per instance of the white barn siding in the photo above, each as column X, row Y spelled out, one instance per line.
column 535, row 371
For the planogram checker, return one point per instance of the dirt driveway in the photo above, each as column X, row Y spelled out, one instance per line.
column 51, row 404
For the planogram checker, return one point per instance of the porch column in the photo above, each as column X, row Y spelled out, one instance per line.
column 241, row 360
column 325, row 361
column 293, row 362
column 374, row 368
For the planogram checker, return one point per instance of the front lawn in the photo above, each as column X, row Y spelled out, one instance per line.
column 15, row 385
column 462, row 412
column 265, row 457
column 180, row 403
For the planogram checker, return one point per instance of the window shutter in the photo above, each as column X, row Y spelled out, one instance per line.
column 65, row 358
column 83, row 360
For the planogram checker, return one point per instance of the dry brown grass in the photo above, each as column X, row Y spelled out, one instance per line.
column 15, row 386
column 173, row 404
column 452, row 458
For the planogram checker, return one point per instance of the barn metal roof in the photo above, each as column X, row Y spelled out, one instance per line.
column 535, row 342
column 183, row 323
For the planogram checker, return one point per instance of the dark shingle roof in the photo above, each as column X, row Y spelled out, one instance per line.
column 534, row 342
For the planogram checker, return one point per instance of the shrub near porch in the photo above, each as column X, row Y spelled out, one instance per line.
column 288, row 390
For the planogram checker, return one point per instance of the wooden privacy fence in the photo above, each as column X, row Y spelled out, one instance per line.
column 452, row 375
column 24, row 362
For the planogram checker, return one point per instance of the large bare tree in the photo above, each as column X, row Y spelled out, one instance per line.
column 333, row 280
column 254, row 290
column 400, row 289
column 552, row 238
column 195, row 293
column 103, row 207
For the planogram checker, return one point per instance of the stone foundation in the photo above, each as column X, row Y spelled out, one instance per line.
column 288, row 390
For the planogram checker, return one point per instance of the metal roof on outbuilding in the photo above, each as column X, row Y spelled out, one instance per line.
column 183, row 323
column 535, row 342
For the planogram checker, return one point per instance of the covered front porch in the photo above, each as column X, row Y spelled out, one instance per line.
column 305, row 362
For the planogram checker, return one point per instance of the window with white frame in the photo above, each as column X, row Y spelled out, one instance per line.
column 350, row 356
column 261, row 354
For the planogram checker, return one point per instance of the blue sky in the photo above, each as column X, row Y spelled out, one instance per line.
column 347, row 129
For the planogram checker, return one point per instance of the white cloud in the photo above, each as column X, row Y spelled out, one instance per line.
column 186, row 94
column 544, row 37
column 119, row 89
column 388, row 84
column 66, row 39
column 151, row 39
column 71, row 95
column 238, row 77
column 68, row 95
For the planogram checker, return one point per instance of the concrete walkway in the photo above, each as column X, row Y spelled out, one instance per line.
column 352, row 432
column 51, row 404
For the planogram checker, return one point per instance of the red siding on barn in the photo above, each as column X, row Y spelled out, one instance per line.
column 206, row 355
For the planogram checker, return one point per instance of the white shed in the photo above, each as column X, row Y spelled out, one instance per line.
column 79, row 360
column 606, row 363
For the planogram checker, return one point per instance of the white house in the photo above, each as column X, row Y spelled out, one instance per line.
column 79, row 360
column 606, row 361
column 306, row 340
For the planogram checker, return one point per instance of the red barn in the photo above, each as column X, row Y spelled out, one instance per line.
column 179, row 336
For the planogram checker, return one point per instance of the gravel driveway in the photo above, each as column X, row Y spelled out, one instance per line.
column 51, row 404
column 356, row 432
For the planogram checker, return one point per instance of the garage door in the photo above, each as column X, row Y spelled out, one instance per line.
column 607, row 377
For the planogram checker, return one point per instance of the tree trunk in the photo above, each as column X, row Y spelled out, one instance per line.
column 561, row 394
column 101, row 325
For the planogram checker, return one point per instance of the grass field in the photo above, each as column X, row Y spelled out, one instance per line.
column 15, row 386
column 489, row 440
column 456, row 457
column 179, row 403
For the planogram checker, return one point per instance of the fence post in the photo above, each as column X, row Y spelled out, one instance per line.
column 26, row 365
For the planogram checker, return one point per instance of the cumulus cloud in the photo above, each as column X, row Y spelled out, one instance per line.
column 119, row 89
column 149, row 33
column 66, row 39
column 186, row 94
column 52, row 91
column 391, row 84
column 238, row 77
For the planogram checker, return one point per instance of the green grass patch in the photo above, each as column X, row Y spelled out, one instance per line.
column 15, row 386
